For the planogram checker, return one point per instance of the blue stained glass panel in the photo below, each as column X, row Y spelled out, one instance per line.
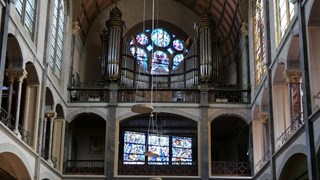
column 182, row 142
column 178, row 44
column 160, row 37
column 177, row 59
column 160, row 63
column 142, row 39
column 134, row 137
column 183, row 153
column 132, row 148
column 158, row 140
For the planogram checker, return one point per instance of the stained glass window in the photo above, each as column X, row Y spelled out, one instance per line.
column 178, row 44
column 176, row 60
column 160, row 37
column 142, row 39
column 181, row 150
column 158, row 51
column 134, row 147
column 135, row 144
column 26, row 10
column 259, row 42
column 160, row 63
column 160, row 145
column 284, row 15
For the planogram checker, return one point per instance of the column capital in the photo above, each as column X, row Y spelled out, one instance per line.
column 263, row 116
column 292, row 76
column 75, row 28
column 16, row 73
column 244, row 29
column 50, row 115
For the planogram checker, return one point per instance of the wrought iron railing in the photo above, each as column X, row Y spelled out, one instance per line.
column 160, row 95
column 290, row 130
column 265, row 158
column 9, row 121
column 164, row 169
column 84, row 167
column 229, row 95
column 226, row 168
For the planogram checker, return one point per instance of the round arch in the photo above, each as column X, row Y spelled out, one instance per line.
column 13, row 162
column 295, row 167
column 173, row 111
column 296, row 149
column 60, row 111
column 241, row 114
column 76, row 113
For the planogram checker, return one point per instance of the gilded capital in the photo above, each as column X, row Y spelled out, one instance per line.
column 263, row 116
column 244, row 29
column 292, row 76
column 50, row 115
column 16, row 73
column 76, row 27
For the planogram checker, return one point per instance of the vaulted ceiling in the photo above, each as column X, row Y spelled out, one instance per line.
column 228, row 15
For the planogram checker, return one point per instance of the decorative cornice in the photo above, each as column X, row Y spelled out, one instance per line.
column 292, row 76
column 206, row 20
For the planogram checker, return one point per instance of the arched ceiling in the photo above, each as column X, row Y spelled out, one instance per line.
column 228, row 14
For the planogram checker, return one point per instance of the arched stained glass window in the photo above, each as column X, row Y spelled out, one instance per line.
column 259, row 42
column 158, row 51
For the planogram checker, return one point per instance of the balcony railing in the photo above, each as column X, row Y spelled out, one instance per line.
column 290, row 130
column 160, row 95
column 263, row 160
column 226, row 94
column 229, row 95
column 165, row 169
column 9, row 121
column 84, row 167
column 88, row 94
column 226, row 168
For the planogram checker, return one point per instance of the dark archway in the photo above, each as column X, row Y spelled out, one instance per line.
column 229, row 143
column 85, row 144
column 295, row 168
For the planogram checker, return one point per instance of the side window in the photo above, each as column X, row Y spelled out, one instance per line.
column 57, row 37
column 26, row 10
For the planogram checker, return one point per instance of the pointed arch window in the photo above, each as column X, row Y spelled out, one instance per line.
column 26, row 10
column 259, row 42
column 57, row 37
column 285, row 12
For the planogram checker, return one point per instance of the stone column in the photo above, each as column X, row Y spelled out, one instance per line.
column 51, row 116
column 264, row 117
column 43, row 148
column 11, row 77
column 293, row 78
column 18, row 74
column 204, row 134
column 115, row 29
column 206, row 27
